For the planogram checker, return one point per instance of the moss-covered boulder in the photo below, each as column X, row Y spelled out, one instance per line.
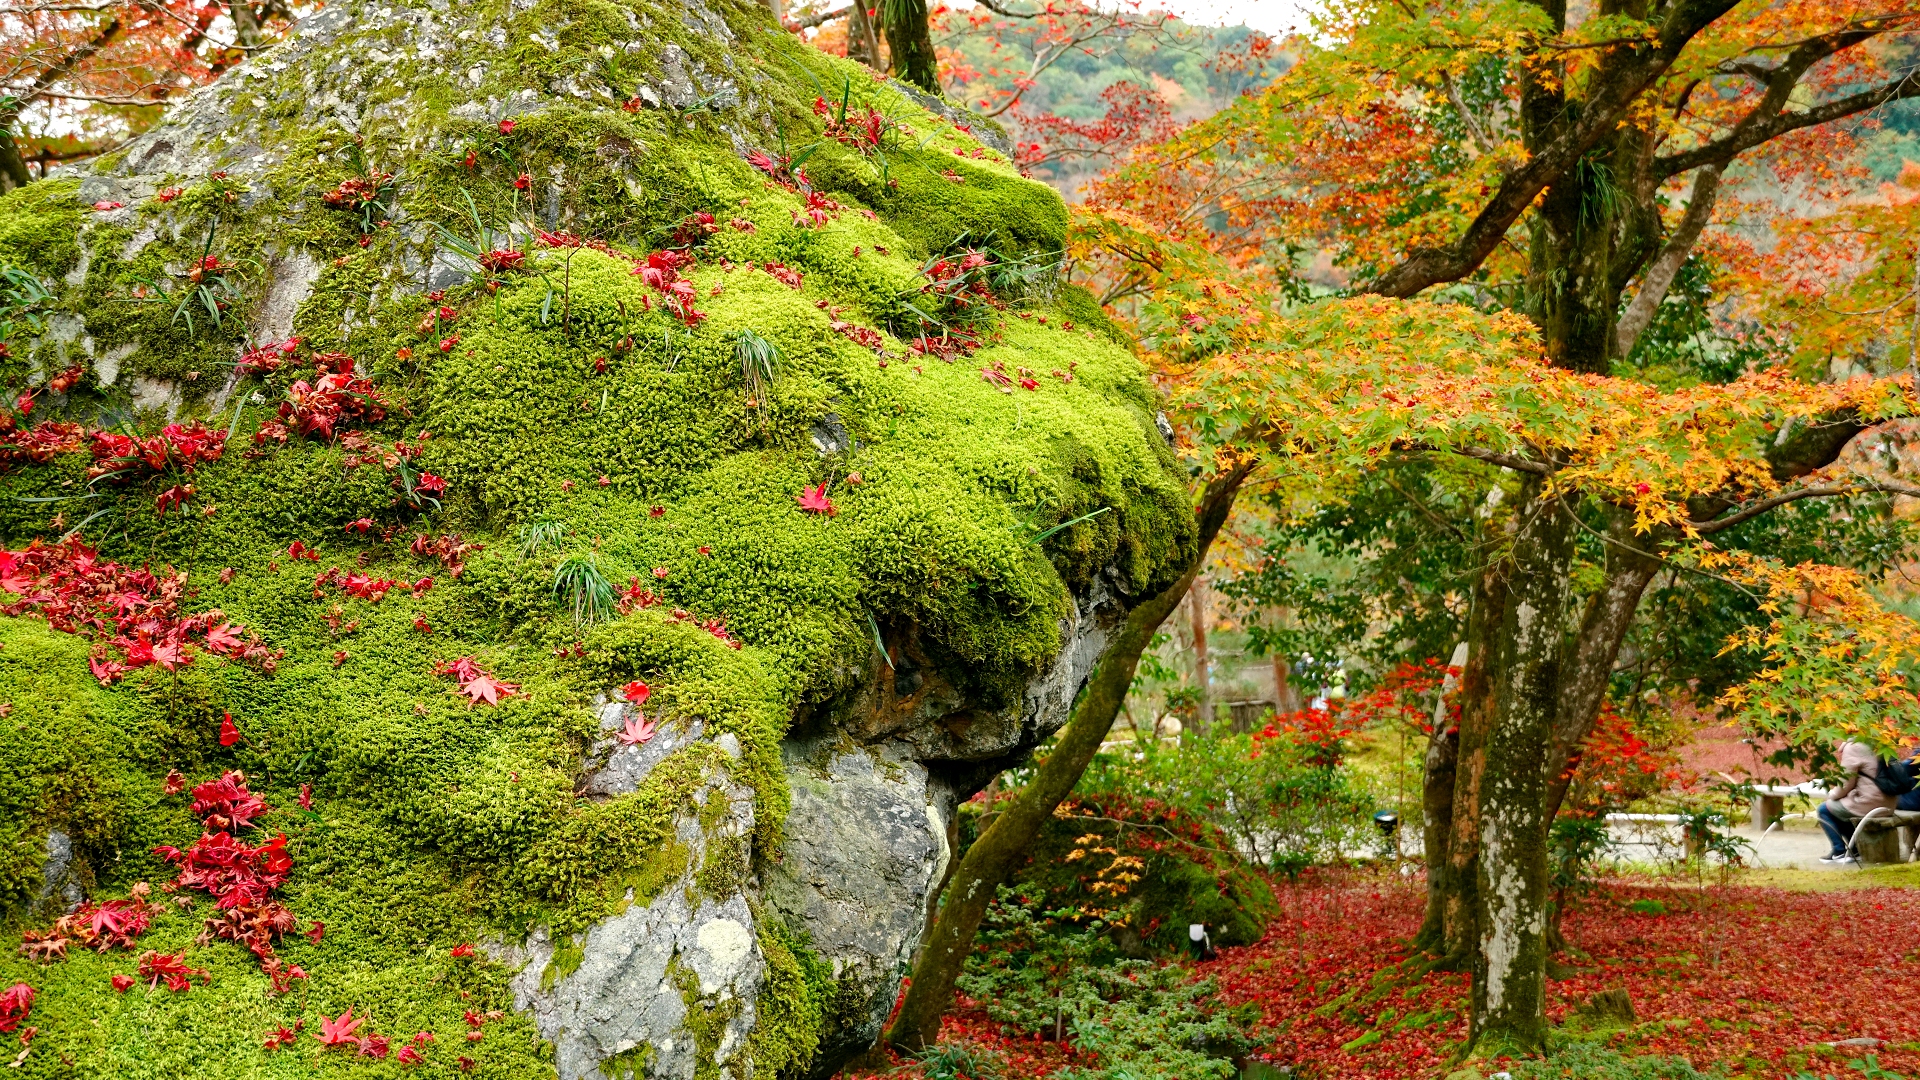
column 597, row 478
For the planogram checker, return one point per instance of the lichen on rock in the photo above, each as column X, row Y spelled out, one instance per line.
column 454, row 210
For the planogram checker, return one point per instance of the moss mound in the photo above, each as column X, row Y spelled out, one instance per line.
column 600, row 474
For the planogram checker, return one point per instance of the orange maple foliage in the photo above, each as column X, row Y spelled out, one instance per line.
column 79, row 77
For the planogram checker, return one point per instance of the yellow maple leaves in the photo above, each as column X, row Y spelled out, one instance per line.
column 1838, row 663
column 1339, row 383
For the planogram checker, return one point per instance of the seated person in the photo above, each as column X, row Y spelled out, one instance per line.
column 1911, row 800
column 1855, row 798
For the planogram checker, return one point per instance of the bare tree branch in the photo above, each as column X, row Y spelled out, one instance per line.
column 807, row 22
column 1474, row 130
column 1754, row 510
column 1506, row 461
column 1666, row 266
column 1768, row 119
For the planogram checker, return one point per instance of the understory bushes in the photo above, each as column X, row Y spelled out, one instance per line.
column 1076, row 951
column 1054, row 973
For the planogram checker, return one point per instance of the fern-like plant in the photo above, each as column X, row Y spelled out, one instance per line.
column 759, row 363
column 579, row 584
column 536, row 536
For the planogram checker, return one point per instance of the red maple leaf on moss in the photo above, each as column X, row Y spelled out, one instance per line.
column 484, row 687
column 814, row 501
column 229, row 734
column 16, row 1002
column 340, row 1031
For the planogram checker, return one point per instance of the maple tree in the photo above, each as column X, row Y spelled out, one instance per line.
column 76, row 79
column 1554, row 170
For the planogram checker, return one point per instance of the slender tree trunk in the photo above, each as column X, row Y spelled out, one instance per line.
column 1004, row 846
column 1442, row 767
column 911, row 43
column 1202, row 672
column 246, row 24
column 1285, row 698
column 862, row 44
column 13, row 168
column 1461, row 917
column 1436, row 804
column 1509, row 977
column 1632, row 561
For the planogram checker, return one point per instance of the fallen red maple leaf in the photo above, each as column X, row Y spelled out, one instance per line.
column 171, row 967
column 339, row 1031
column 16, row 1002
column 484, row 687
column 814, row 500
column 637, row 732
column 229, row 734
column 637, row 692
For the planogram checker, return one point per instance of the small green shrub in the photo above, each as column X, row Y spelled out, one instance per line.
column 957, row 1061
column 1284, row 801
column 1036, row 972
column 1144, row 870
column 1588, row 1061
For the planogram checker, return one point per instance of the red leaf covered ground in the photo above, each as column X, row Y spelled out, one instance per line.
column 1749, row 979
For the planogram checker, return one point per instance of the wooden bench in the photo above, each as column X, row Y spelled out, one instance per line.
column 1770, row 802
column 1888, row 836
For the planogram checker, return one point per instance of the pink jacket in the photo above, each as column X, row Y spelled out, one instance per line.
column 1858, row 794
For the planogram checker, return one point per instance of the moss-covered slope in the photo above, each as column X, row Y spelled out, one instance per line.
column 587, row 427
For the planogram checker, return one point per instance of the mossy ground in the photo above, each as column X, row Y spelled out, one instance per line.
column 435, row 821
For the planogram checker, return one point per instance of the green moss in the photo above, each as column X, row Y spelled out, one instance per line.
column 705, row 1020
column 570, row 396
column 793, row 1003
column 39, row 227
column 725, row 867
column 568, row 955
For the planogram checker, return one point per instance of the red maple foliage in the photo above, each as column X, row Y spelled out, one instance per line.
column 172, row 968
column 661, row 272
column 318, row 409
column 16, row 1003
column 814, row 500
column 449, row 548
column 240, row 877
column 476, row 682
column 133, row 614
column 1753, row 980
column 178, row 446
column 107, row 924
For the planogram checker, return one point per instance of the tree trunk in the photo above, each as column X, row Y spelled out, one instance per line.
column 1509, row 977
column 862, row 44
column 1285, row 698
column 1632, row 561
column 1005, row 844
column 246, row 24
column 13, row 168
column 1436, row 804
column 1202, row 672
column 911, row 43
column 1461, row 915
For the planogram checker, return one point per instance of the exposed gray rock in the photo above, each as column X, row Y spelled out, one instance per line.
column 616, row 1002
column 61, row 889
column 866, row 843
